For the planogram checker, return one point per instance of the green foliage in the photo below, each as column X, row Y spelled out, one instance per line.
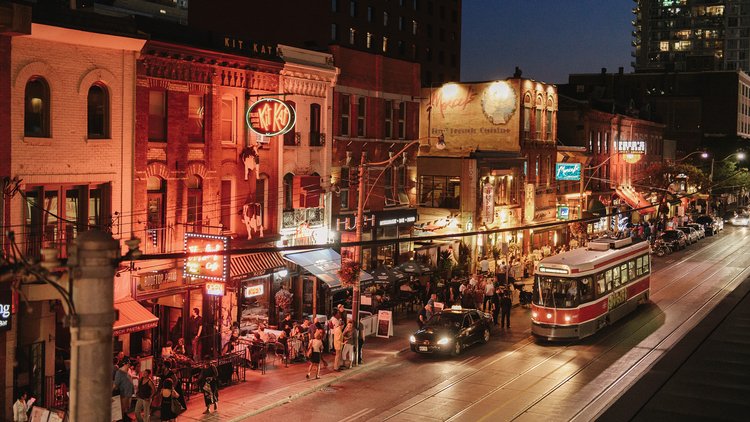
column 661, row 175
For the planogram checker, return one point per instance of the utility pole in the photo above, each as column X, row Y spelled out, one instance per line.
column 360, row 221
column 92, row 261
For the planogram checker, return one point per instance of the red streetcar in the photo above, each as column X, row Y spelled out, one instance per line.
column 578, row 292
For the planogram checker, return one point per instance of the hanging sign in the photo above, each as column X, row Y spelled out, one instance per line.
column 206, row 267
column 488, row 203
column 270, row 117
column 252, row 291
column 568, row 171
column 6, row 305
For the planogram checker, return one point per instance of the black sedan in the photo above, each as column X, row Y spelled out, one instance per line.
column 708, row 224
column 675, row 239
column 451, row 331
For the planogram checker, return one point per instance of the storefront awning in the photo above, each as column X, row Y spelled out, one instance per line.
column 635, row 200
column 324, row 264
column 255, row 264
column 132, row 317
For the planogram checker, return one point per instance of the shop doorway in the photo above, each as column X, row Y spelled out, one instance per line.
column 29, row 373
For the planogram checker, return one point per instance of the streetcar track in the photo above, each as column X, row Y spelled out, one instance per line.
column 715, row 267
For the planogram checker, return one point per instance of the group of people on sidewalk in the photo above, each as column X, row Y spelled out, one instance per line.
column 343, row 337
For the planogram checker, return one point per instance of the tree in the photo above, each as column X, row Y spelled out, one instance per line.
column 660, row 176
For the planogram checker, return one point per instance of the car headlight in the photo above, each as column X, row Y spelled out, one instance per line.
column 412, row 339
column 443, row 341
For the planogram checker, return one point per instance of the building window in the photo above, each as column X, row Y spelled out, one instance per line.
column 315, row 135
column 334, row 32
column 440, row 192
column 290, row 138
column 352, row 8
column 288, row 192
column 157, row 116
column 598, row 142
column 369, row 13
column 388, row 186
column 400, row 23
column 344, row 188
column 388, row 123
column 385, row 18
column 226, row 204
column 526, row 121
column 549, row 125
column 361, row 116
column 385, row 44
column 402, row 120
column 591, row 142
column 414, row 27
column 334, row 5
column 156, row 205
column 196, row 111
column 36, row 109
column 369, row 40
column 415, row 4
column 227, row 119
column 345, row 110
column 538, row 121
column 98, row 112
column 548, row 170
column 536, row 169
column 195, row 202
column 606, row 142
column 352, row 32
column 403, row 196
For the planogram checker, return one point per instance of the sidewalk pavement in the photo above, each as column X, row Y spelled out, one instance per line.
column 280, row 384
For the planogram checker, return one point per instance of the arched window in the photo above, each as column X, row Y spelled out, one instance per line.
column 98, row 108
column 36, row 109
column 288, row 192
column 195, row 202
column 261, row 197
column 156, row 212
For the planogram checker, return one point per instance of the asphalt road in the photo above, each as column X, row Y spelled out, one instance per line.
column 515, row 377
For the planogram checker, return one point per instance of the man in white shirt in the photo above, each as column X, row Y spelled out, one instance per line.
column 489, row 291
column 484, row 265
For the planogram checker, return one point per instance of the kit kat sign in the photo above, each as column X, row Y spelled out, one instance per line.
column 206, row 267
column 270, row 117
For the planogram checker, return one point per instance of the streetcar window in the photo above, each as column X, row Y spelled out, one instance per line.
column 600, row 286
column 609, row 280
column 639, row 266
column 587, row 289
column 624, row 273
column 631, row 269
column 555, row 292
column 645, row 264
column 616, row 277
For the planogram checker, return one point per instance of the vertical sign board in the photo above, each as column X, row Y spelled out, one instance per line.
column 385, row 324
column 488, row 203
column 6, row 307
column 528, row 209
column 205, row 267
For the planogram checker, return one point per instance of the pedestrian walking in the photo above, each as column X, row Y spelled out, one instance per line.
column 144, row 396
column 315, row 353
column 209, row 382
column 361, row 341
column 338, row 346
column 168, row 397
column 21, row 408
column 496, row 306
column 123, row 383
column 424, row 315
column 489, row 291
column 505, row 305
column 348, row 349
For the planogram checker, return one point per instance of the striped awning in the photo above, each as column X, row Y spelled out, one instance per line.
column 255, row 264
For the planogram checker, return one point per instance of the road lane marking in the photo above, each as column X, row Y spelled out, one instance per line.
column 357, row 415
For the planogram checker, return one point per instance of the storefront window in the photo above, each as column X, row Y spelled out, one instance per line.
column 256, row 301
column 439, row 192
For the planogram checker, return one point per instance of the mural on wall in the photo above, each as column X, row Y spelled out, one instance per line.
column 472, row 116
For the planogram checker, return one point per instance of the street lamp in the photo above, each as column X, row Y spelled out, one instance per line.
column 359, row 219
column 740, row 156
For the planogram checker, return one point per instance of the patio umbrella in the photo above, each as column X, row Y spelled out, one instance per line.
column 411, row 268
column 424, row 269
column 397, row 273
column 383, row 274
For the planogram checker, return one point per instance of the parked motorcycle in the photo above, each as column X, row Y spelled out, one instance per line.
column 660, row 249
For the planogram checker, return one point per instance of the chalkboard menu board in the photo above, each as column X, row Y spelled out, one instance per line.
column 385, row 324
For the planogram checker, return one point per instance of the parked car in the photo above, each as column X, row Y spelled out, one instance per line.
column 701, row 231
column 728, row 216
column 708, row 224
column 691, row 233
column 675, row 239
column 719, row 223
column 451, row 331
column 740, row 220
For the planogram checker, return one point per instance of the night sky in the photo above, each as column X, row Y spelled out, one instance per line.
column 547, row 39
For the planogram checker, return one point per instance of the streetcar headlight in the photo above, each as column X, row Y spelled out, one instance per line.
column 567, row 318
column 549, row 316
column 443, row 341
column 534, row 314
column 412, row 339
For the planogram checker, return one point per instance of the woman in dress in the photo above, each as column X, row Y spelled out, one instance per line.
column 315, row 350
column 167, row 395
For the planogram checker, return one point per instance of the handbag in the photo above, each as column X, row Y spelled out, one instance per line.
column 176, row 407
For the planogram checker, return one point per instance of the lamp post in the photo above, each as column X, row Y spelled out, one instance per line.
column 740, row 156
column 359, row 221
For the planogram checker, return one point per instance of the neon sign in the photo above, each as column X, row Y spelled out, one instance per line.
column 207, row 267
column 270, row 117
column 252, row 291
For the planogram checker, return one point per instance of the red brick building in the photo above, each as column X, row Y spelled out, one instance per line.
column 376, row 113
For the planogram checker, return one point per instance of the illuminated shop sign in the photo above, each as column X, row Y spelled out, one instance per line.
column 252, row 291
column 215, row 289
column 632, row 147
column 206, row 267
column 563, row 213
column 270, row 117
column 6, row 307
column 568, row 171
